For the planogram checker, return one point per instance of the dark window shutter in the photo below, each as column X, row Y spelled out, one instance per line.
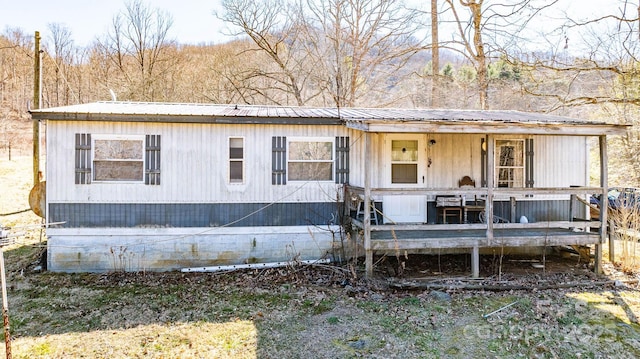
column 342, row 160
column 152, row 160
column 279, row 160
column 483, row 162
column 528, row 165
column 83, row 158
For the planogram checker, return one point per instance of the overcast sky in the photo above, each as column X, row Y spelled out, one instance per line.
column 194, row 22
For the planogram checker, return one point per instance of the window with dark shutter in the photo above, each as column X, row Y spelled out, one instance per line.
column 83, row 158
column 152, row 160
column 342, row 160
column 279, row 160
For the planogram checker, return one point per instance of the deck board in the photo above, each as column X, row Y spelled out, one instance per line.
column 416, row 239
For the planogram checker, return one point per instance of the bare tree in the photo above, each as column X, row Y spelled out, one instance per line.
column 16, row 89
column 16, row 69
column 138, row 48
column 590, row 66
column 435, row 55
column 500, row 21
column 63, row 49
column 328, row 52
column 369, row 42
column 277, row 34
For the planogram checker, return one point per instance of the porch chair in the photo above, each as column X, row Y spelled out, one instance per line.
column 457, row 206
column 452, row 206
column 449, row 207
column 468, row 204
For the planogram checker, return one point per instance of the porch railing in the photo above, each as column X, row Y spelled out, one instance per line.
column 354, row 194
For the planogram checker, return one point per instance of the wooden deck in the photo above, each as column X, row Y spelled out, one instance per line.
column 421, row 237
column 428, row 236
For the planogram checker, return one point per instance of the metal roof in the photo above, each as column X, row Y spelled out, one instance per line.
column 365, row 119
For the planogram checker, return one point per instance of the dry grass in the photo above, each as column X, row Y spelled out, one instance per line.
column 299, row 312
column 626, row 226
column 15, row 183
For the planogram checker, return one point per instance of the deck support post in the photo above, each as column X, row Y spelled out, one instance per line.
column 512, row 214
column 475, row 262
column 612, row 243
column 367, row 204
column 604, row 204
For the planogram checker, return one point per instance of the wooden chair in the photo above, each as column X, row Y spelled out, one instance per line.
column 466, row 181
column 449, row 210
column 469, row 205
column 451, row 206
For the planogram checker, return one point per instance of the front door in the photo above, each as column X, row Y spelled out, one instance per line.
column 405, row 155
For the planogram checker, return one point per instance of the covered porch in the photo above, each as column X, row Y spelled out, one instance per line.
column 482, row 223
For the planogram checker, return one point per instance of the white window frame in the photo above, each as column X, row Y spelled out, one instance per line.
column 241, row 160
column 498, row 167
column 140, row 138
column 330, row 140
column 418, row 142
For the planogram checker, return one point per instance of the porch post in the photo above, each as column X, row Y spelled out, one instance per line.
column 488, row 206
column 604, row 204
column 367, row 206
column 490, row 184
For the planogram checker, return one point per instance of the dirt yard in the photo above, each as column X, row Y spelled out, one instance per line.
column 429, row 308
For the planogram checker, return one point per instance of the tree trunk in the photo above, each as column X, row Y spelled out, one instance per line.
column 435, row 56
column 481, row 59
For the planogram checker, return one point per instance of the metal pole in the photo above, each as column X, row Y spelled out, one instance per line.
column 36, row 105
column 368, row 251
column 5, row 306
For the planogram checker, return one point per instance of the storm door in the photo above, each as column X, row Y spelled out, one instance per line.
column 406, row 157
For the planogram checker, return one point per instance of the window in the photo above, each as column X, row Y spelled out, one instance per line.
column 236, row 160
column 510, row 160
column 111, row 158
column 118, row 159
column 404, row 161
column 310, row 160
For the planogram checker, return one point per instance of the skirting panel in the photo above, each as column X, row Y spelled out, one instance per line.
column 166, row 249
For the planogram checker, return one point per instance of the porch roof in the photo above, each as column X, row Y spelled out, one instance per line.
column 482, row 121
column 364, row 119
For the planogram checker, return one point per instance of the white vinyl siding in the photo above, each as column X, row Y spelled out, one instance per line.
column 194, row 164
column 559, row 161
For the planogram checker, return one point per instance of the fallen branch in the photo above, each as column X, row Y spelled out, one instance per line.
column 499, row 309
column 506, row 287
column 339, row 270
column 12, row 213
